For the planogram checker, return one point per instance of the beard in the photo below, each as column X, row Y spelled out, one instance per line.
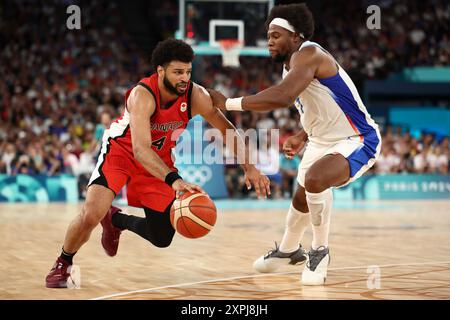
column 171, row 88
column 280, row 58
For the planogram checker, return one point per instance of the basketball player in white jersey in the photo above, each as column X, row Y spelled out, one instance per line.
column 342, row 141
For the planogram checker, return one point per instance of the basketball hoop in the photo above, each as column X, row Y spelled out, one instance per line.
column 230, row 49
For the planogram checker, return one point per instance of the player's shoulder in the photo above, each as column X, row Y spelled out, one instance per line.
column 309, row 54
column 309, row 50
column 140, row 95
column 199, row 92
column 142, row 92
column 201, row 102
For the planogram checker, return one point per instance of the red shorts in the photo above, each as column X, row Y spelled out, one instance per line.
column 115, row 168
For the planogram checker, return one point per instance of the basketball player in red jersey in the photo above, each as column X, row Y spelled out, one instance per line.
column 136, row 151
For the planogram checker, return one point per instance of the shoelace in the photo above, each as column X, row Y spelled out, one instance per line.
column 57, row 265
column 315, row 256
column 271, row 251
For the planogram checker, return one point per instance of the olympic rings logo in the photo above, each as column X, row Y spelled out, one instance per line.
column 198, row 175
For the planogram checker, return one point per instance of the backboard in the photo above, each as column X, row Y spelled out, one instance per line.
column 203, row 23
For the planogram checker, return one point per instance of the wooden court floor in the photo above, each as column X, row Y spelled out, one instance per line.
column 406, row 244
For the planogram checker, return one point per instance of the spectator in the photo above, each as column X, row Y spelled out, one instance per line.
column 288, row 169
column 8, row 154
column 105, row 122
column 23, row 165
column 438, row 161
column 420, row 162
column 268, row 163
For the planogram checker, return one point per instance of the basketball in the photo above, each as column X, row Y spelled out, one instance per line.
column 193, row 215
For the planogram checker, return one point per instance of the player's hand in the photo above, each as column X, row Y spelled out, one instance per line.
column 260, row 181
column 292, row 146
column 180, row 186
column 218, row 99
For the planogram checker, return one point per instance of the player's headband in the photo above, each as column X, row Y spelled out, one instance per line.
column 284, row 24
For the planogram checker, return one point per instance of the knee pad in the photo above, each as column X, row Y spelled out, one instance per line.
column 319, row 204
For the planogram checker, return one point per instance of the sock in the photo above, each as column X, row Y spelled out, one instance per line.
column 320, row 205
column 155, row 227
column 296, row 224
column 128, row 222
column 67, row 256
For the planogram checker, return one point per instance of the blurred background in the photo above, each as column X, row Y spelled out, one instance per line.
column 61, row 88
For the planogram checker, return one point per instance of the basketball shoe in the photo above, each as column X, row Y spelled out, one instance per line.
column 275, row 259
column 57, row 278
column 315, row 272
column 110, row 234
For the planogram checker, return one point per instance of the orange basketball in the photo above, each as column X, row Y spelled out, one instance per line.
column 193, row 215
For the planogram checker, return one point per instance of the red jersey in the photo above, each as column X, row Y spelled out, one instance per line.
column 164, row 122
column 116, row 165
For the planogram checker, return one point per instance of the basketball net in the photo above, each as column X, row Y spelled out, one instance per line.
column 230, row 48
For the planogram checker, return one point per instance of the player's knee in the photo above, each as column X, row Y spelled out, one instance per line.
column 314, row 183
column 90, row 216
column 88, row 221
column 299, row 202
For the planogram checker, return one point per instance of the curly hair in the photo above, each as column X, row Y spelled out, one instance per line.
column 297, row 14
column 171, row 50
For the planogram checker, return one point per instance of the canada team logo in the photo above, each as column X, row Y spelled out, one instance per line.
column 183, row 106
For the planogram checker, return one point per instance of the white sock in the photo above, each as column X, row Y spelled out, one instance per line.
column 296, row 224
column 320, row 205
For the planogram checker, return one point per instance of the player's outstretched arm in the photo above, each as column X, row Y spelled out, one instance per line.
column 141, row 106
column 303, row 66
column 202, row 105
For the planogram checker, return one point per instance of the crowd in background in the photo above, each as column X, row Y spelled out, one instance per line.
column 401, row 153
column 413, row 33
column 60, row 90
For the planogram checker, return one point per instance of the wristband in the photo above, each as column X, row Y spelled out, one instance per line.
column 234, row 104
column 172, row 177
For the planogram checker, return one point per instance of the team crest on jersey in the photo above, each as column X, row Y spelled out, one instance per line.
column 183, row 106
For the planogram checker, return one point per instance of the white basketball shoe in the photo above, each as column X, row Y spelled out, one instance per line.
column 275, row 259
column 315, row 272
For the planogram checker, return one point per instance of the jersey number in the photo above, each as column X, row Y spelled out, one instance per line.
column 159, row 143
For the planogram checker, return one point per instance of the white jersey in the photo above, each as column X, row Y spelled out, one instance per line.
column 332, row 110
